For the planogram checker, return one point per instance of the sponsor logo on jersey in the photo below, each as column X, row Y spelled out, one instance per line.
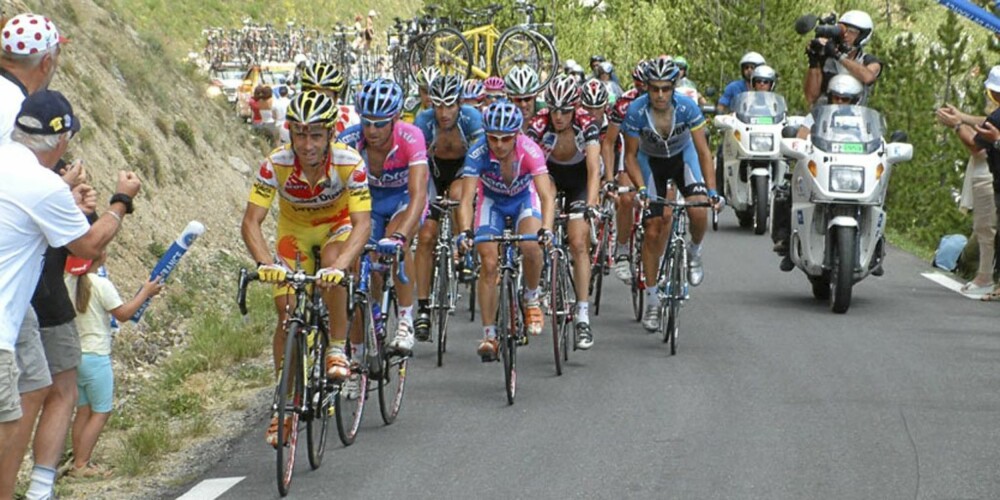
column 265, row 171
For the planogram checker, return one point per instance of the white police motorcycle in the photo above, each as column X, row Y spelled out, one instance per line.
column 838, row 189
column 751, row 161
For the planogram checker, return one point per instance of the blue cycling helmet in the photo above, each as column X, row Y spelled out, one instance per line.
column 473, row 89
column 503, row 117
column 379, row 98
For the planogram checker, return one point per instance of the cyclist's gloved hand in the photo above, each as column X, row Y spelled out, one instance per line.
column 593, row 213
column 464, row 240
column 330, row 275
column 272, row 273
column 545, row 236
column 643, row 193
column 718, row 201
column 391, row 244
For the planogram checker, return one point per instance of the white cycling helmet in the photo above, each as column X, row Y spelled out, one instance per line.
column 845, row 86
column 861, row 21
column 752, row 58
column 764, row 73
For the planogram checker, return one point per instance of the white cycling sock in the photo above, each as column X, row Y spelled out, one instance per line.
column 406, row 314
column 695, row 249
column 651, row 297
column 583, row 312
column 42, row 479
column 621, row 249
column 490, row 332
column 531, row 295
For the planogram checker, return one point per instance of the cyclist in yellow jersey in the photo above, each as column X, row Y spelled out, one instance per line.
column 326, row 79
column 323, row 201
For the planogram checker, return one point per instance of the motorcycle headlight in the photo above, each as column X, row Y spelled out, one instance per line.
column 761, row 142
column 847, row 179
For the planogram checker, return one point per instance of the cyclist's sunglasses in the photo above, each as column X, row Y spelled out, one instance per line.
column 501, row 138
column 659, row 89
column 494, row 97
column 366, row 122
column 565, row 111
column 442, row 103
column 522, row 99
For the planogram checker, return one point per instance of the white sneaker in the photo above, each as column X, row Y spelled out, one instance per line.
column 351, row 387
column 696, row 270
column 404, row 338
column 623, row 269
column 651, row 318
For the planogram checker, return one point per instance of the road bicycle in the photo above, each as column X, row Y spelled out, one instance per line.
column 603, row 237
column 562, row 291
column 510, row 319
column 444, row 281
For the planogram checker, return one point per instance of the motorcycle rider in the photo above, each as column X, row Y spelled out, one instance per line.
column 828, row 58
column 763, row 78
column 748, row 63
column 843, row 89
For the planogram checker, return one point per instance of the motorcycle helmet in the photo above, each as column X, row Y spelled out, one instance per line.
column 862, row 22
column 753, row 58
column 764, row 73
column 845, row 86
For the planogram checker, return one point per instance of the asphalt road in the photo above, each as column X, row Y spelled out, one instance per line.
column 770, row 396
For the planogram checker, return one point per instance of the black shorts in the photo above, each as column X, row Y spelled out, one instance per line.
column 671, row 168
column 443, row 173
column 571, row 180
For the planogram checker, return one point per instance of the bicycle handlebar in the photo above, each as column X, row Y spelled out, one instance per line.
column 498, row 238
column 398, row 256
column 656, row 200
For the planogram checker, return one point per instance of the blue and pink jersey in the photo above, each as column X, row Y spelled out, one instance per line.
column 496, row 197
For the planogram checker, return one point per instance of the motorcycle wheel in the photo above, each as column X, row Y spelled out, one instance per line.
column 760, row 204
column 842, row 275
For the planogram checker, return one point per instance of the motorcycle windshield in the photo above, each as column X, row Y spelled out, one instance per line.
column 760, row 108
column 844, row 129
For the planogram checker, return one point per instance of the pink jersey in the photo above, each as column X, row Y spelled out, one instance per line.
column 529, row 162
column 408, row 149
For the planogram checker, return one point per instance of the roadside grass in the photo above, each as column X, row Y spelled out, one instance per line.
column 223, row 354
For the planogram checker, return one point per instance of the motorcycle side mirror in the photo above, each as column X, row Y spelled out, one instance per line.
column 795, row 149
column 707, row 109
column 722, row 121
column 710, row 91
column 896, row 152
column 899, row 136
column 789, row 131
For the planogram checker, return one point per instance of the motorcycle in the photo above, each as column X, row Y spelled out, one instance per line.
column 750, row 160
column 838, row 190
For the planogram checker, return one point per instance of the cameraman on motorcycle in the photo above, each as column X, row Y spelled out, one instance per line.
column 842, row 55
column 843, row 89
column 749, row 62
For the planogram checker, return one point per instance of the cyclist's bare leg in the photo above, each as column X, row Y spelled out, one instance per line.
column 653, row 244
column 698, row 217
column 426, row 241
column 531, row 252
column 624, row 214
column 578, row 230
column 336, row 297
column 487, row 282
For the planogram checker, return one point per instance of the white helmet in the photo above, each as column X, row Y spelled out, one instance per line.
column 861, row 21
column 764, row 73
column 299, row 59
column 845, row 86
column 752, row 58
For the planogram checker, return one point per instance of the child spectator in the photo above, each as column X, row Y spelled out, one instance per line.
column 96, row 301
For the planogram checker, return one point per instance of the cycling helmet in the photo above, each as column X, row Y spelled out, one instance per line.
column 472, row 89
column 764, row 73
column 426, row 76
column 861, row 21
column 752, row 58
column 502, row 117
column 445, row 90
column 681, row 63
column 639, row 73
column 595, row 94
column 597, row 59
column 568, row 64
column 662, row 69
column 606, row 67
column 312, row 107
column 322, row 76
column 379, row 98
column 845, row 86
column 494, row 84
column 563, row 92
column 522, row 80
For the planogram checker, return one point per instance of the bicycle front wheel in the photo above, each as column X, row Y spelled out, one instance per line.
column 351, row 395
column 443, row 280
column 449, row 51
column 558, row 304
column 676, row 294
column 392, row 381
column 321, row 404
column 638, row 292
column 507, row 332
column 288, row 398
column 521, row 45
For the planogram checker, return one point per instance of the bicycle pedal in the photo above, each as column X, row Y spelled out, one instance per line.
column 489, row 358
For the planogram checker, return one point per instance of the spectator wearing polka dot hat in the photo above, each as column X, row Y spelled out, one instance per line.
column 30, row 46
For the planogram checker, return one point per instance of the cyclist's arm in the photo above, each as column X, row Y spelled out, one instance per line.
column 418, row 198
column 608, row 151
column 361, row 229
column 593, row 152
column 466, row 209
column 704, row 156
column 253, row 234
column 632, row 161
column 547, row 195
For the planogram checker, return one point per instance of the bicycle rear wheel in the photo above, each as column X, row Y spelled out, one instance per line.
column 443, row 280
column 449, row 51
column 676, row 294
column 289, row 396
column 320, row 400
column 637, row 286
column 521, row 45
column 600, row 266
column 351, row 395
column 392, row 381
column 558, row 306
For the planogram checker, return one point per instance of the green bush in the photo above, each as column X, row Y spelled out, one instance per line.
column 183, row 131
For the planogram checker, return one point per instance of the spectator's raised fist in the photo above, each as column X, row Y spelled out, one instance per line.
column 128, row 183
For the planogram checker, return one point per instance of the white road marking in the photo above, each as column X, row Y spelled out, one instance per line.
column 950, row 283
column 210, row 489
